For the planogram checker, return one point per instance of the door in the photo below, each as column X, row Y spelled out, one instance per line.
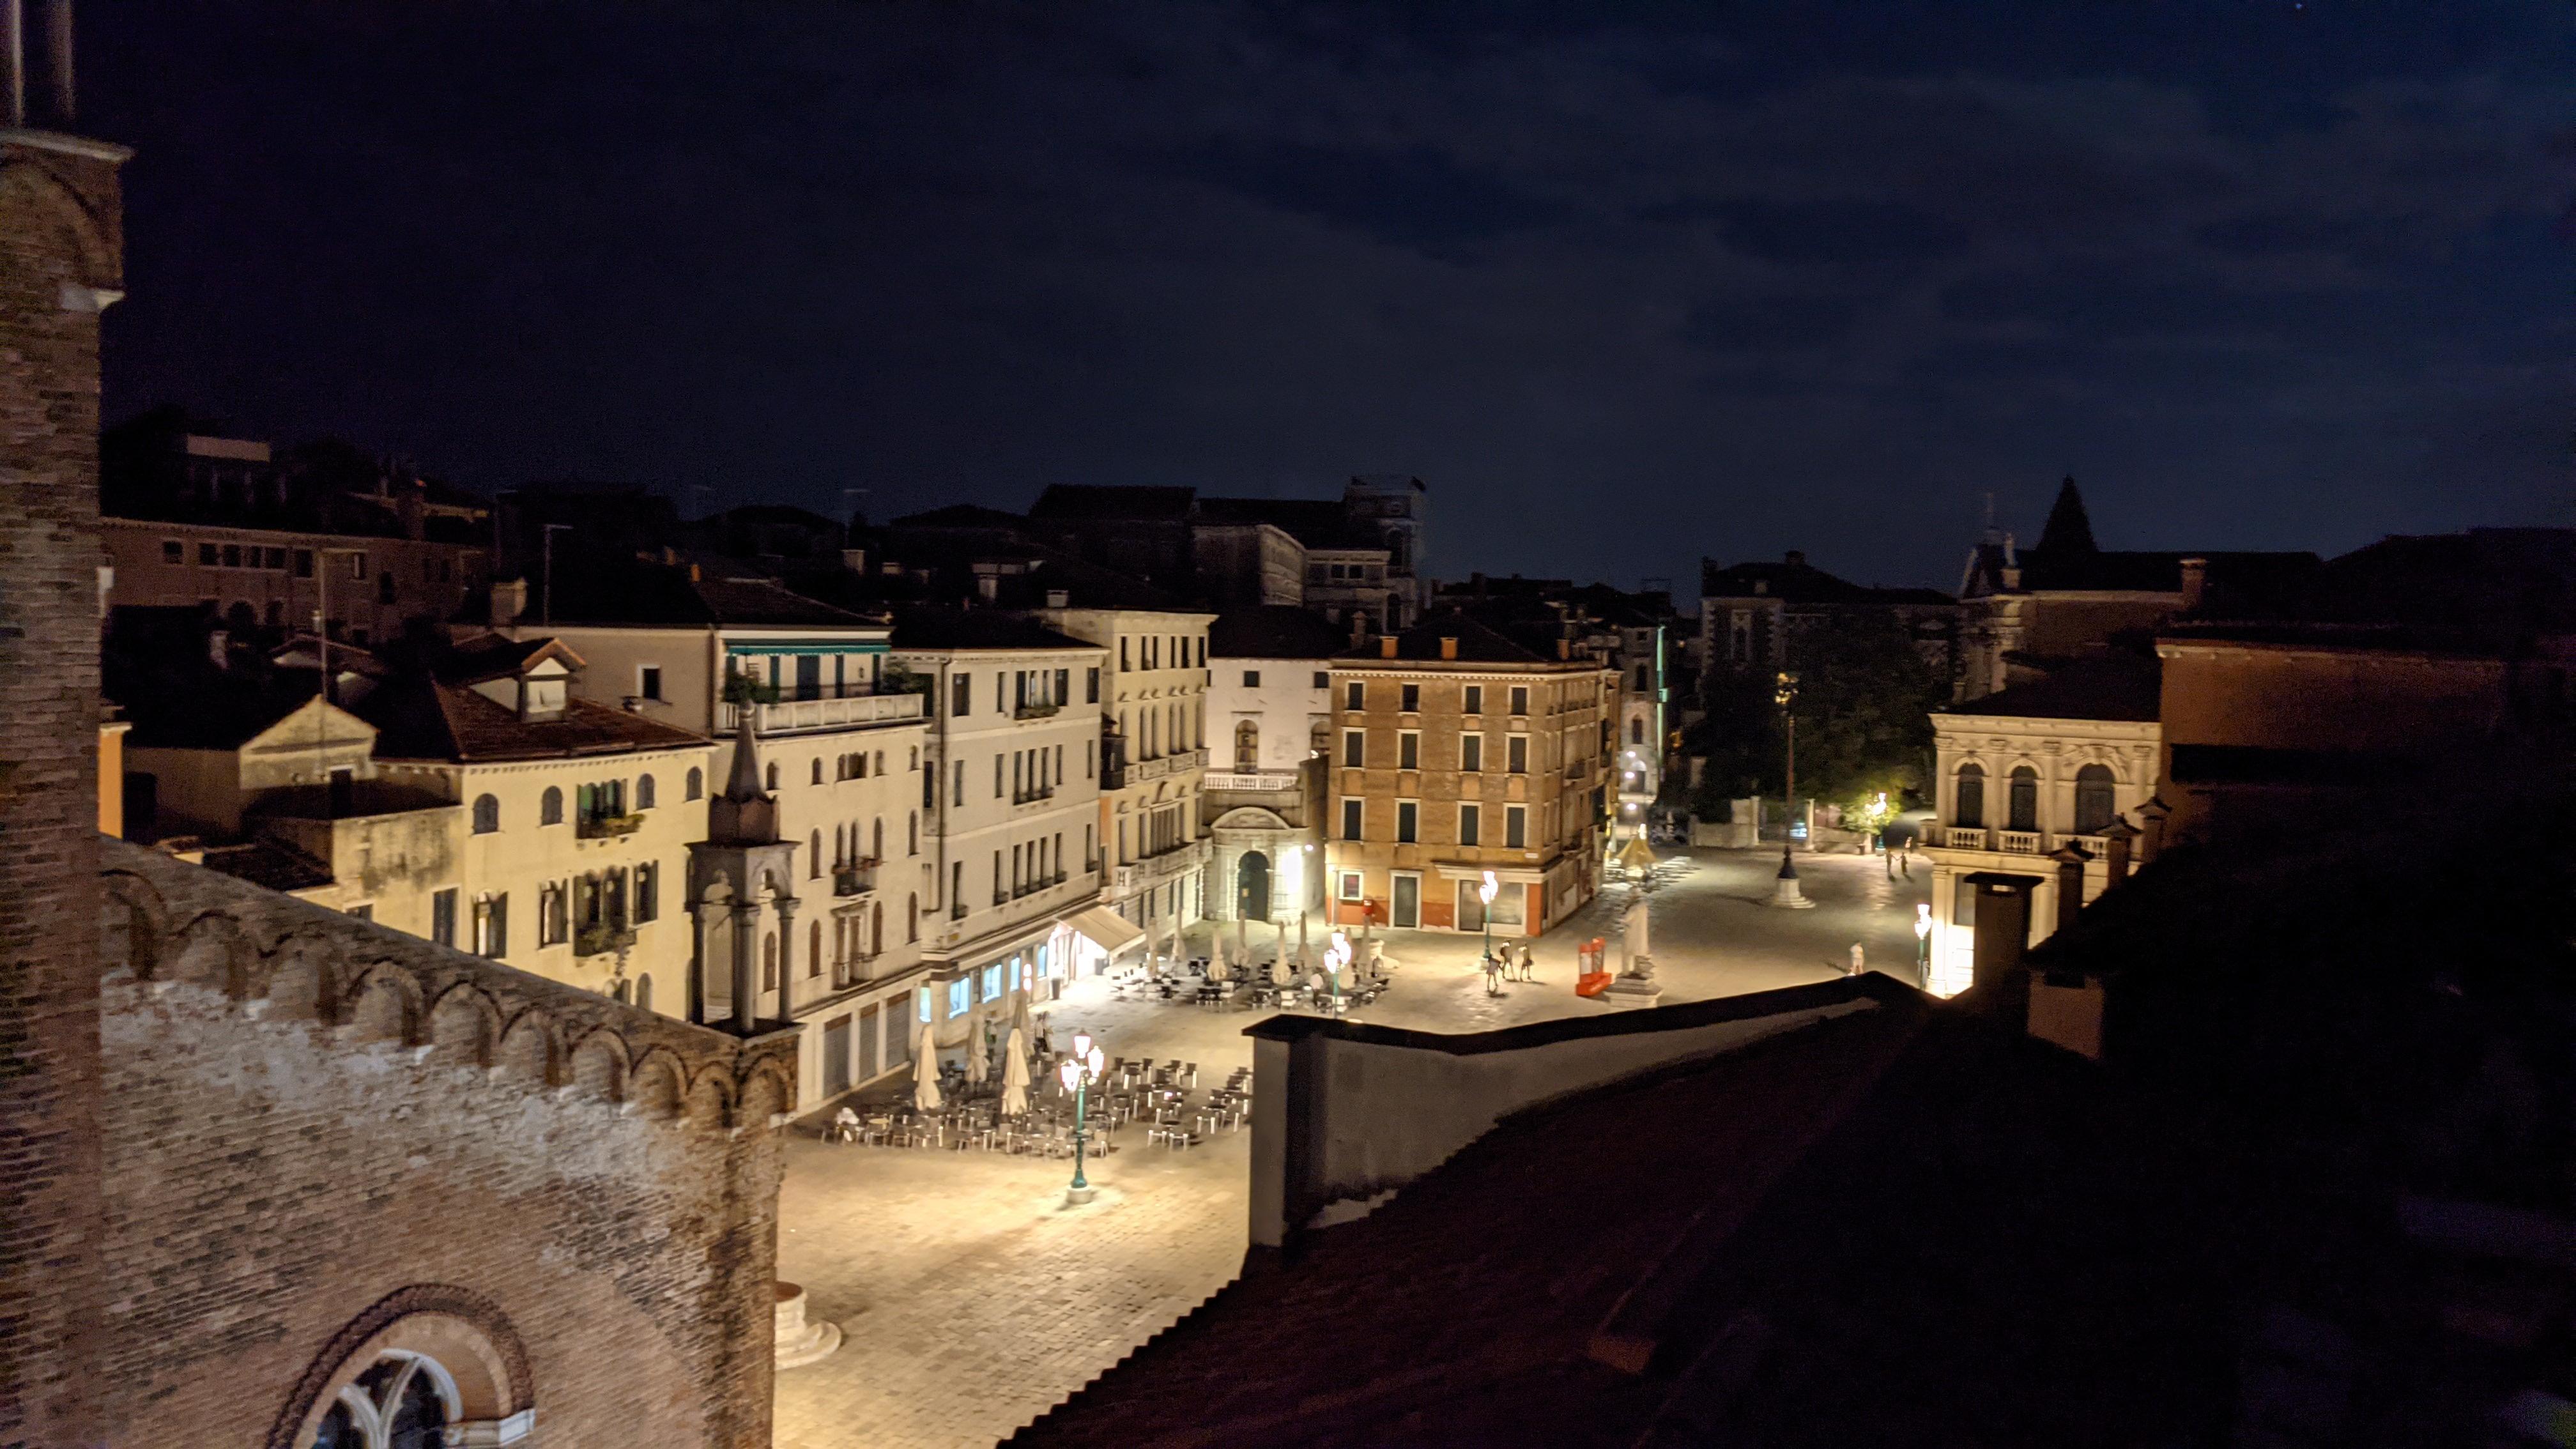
column 1252, row 886
column 1407, row 911
column 836, row 1056
column 1471, row 906
column 809, row 676
column 868, row 1028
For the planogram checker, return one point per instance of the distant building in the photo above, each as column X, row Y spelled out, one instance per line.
column 1270, row 710
column 1459, row 751
column 1752, row 615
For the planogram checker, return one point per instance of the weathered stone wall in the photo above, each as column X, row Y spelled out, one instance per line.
column 58, row 246
column 306, row 1115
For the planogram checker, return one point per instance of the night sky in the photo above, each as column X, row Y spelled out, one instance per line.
column 1625, row 284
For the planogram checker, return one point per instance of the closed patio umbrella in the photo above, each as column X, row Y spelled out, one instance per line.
column 979, row 1066
column 925, row 1071
column 1015, row 1074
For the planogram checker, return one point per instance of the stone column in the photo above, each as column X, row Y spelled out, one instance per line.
column 746, row 966
column 786, row 958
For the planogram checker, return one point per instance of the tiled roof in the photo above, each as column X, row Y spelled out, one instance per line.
column 2107, row 686
column 924, row 626
column 1088, row 500
column 1478, row 643
column 1274, row 631
column 419, row 718
column 268, row 865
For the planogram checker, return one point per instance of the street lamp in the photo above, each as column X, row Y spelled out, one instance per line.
column 1923, row 944
column 1486, row 893
column 1078, row 1072
column 1784, row 891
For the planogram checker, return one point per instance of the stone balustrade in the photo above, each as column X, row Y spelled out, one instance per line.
column 798, row 716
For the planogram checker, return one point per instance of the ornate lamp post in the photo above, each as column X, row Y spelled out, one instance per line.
column 1784, row 891
column 1078, row 1072
column 1336, row 957
column 1923, row 945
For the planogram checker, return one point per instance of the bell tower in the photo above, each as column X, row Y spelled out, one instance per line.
column 742, row 898
column 61, row 264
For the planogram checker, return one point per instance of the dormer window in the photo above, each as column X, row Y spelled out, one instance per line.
column 541, row 699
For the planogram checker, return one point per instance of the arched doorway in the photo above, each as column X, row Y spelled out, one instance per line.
column 1252, row 887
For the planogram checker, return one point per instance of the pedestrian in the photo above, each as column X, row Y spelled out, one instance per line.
column 1529, row 964
column 1858, row 962
column 1906, row 866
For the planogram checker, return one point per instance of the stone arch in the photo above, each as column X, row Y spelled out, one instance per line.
column 482, row 1362
column 599, row 1066
column 133, row 922
column 303, row 982
column 212, row 951
column 767, row 1094
column 85, row 238
column 654, row 1087
column 710, row 1103
column 384, row 1006
column 464, row 1026
column 1252, row 817
column 528, row 1047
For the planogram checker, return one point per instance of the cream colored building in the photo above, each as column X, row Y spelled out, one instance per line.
column 576, row 817
column 2025, row 772
column 844, row 755
column 1006, row 896
column 1155, row 713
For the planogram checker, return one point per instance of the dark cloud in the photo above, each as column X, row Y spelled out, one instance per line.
column 1822, row 233
column 1416, row 197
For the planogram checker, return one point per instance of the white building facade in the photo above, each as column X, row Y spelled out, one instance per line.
column 1270, row 711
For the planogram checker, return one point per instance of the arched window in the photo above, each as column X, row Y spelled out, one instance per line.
column 818, row 770
column 1637, row 731
column 2023, row 803
column 550, row 807
column 912, row 832
column 2093, row 796
column 773, row 775
column 876, row 928
column 1970, row 810
column 643, row 792
column 402, row 1401
column 1247, row 747
column 487, row 814
column 876, row 838
column 697, row 786
column 814, row 857
column 644, row 992
column 814, row 949
column 880, row 763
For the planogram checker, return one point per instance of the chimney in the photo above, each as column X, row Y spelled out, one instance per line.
column 1797, row 558
column 2195, row 583
column 2071, row 859
column 988, row 587
column 1059, row 598
column 509, row 601
column 855, row 560
column 1448, row 646
column 1386, row 646
column 1564, row 648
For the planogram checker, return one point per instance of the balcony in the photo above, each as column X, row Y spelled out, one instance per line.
column 1254, row 780
column 1032, row 797
column 599, row 940
column 1964, row 837
column 2011, row 842
column 1039, row 886
column 854, row 880
column 1153, row 870
column 801, row 716
column 2021, row 842
column 1036, row 711
column 608, row 827
column 1177, row 762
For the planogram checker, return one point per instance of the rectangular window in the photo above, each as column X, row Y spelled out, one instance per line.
column 997, row 777
column 1323, row 679
column 648, row 892
column 1354, row 748
column 961, row 695
column 232, row 555
column 1408, row 820
column 958, row 997
column 1408, row 749
column 208, row 555
column 1515, row 826
column 1123, row 657
column 924, row 1012
column 442, row 917
column 993, row 982
column 648, row 681
column 385, row 588
column 1411, row 697
column 274, row 558
column 960, row 794
column 1963, row 907
column 1090, row 750
column 1471, row 753
column 1355, row 695
column 173, row 551
column 1091, row 685
column 1516, row 754
column 1467, row 824
column 1062, row 677
column 304, row 563
column 1520, row 699
column 1252, row 679
column 1202, row 651
column 1350, row 888
column 492, row 927
column 357, row 565
column 1475, row 699
column 1351, row 819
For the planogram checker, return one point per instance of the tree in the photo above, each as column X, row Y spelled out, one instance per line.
column 1864, row 703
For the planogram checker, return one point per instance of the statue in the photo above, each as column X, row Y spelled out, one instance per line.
column 1635, row 983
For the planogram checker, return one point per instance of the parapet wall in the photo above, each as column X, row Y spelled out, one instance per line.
column 1350, row 1112
column 312, row 1122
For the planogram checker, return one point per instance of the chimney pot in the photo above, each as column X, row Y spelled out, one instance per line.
column 509, row 601
column 1386, row 646
column 2195, row 583
column 1564, row 648
column 1059, row 598
column 1797, row 558
column 1448, row 646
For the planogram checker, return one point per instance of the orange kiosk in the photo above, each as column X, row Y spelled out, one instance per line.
column 1594, row 977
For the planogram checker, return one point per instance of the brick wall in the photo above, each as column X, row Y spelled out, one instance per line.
column 306, row 1114
column 58, row 240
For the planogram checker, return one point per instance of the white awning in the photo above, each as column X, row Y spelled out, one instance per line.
column 1106, row 929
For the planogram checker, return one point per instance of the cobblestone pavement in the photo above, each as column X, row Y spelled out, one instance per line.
column 972, row 1298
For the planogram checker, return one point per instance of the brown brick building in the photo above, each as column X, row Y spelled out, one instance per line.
column 271, row 1175
column 1458, row 750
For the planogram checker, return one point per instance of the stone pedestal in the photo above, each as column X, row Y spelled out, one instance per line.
column 1635, row 986
column 1077, row 1196
column 801, row 1342
column 1787, row 896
